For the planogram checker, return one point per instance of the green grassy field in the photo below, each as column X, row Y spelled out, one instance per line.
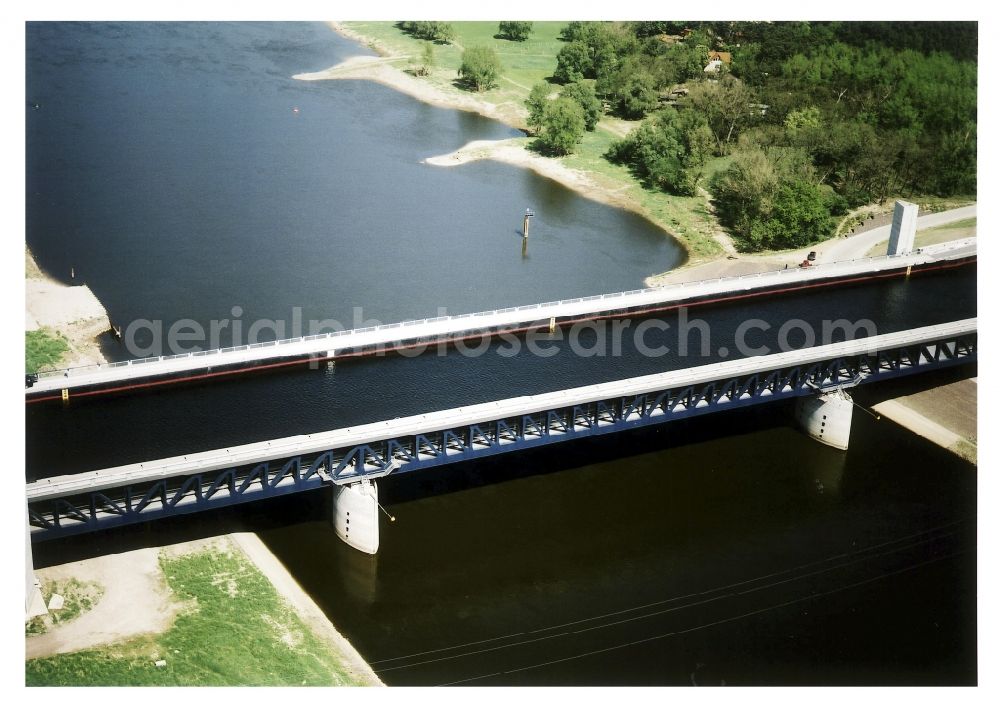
column 525, row 64
column 42, row 349
column 235, row 631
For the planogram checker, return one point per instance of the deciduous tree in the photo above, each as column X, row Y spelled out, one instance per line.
column 726, row 105
column 516, row 31
column 772, row 202
column 668, row 151
column 562, row 126
column 631, row 89
column 573, row 63
column 583, row 94
column 480, row 68
column 426, row 63
column 538, row 97
column 429, row 30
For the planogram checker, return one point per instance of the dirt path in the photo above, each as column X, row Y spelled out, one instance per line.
column 136, row 601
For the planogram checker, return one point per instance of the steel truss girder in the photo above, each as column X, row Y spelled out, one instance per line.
column 163, row 498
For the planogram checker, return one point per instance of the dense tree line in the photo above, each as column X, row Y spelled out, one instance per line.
column 668, row 151
column 871, row 110
column 771, row 200
column 813, row 118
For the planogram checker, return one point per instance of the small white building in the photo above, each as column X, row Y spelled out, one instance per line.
column 716, row 59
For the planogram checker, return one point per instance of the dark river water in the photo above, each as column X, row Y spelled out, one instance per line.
column 166, row 165
column 98, row 432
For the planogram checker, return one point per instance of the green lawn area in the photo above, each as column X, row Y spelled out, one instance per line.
column 42, row 349
column 235, row 631
column 932, row 236
column 524, row 63
column 532, row 61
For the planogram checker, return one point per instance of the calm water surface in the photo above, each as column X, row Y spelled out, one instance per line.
column 735, row 551
column 94, row 433
column 167, row 166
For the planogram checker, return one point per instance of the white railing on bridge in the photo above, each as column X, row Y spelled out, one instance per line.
column 651, row 291
column 461, row 416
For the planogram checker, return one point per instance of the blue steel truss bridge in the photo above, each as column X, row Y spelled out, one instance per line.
column 346, row 458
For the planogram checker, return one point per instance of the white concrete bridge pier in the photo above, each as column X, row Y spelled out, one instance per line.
column 355, row 514
column 827, row 417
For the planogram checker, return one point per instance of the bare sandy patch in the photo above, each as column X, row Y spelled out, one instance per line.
column 72, row 310
column 350, row 34
column 435, row 90
column 515, row 153
column 136, row 602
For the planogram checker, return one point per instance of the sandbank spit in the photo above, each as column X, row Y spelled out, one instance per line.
column 383, row 69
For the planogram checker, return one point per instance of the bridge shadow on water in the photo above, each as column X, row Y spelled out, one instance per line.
column 864, row 561
column 583, row 452
column 314, row 506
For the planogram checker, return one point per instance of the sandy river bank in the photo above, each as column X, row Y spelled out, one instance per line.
column 70, row 310
column 387, row 69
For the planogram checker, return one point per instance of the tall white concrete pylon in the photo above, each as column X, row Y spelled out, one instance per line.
column 904, row 228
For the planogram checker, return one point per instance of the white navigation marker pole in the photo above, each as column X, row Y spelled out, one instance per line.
column 527, row 219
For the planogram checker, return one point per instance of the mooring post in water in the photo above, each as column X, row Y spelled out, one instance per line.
column 527, row 215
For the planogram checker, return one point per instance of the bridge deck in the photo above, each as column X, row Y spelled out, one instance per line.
column 50, row 384
column 456, row 418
